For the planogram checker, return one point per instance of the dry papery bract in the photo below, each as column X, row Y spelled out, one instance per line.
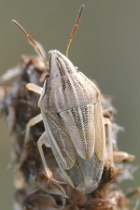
column 33, row 190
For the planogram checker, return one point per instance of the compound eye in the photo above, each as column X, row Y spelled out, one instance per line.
column 47, row 75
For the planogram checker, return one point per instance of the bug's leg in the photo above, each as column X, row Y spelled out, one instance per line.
column 40, row 142
column 119, row 156
column 109, row 169
column 32, row 122
column 10, row 74
column 35, row 88
column 109, row 144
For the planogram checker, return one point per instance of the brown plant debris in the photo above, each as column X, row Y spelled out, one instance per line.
column 33, row 190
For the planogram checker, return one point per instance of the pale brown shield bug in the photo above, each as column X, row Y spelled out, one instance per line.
column 71, row 110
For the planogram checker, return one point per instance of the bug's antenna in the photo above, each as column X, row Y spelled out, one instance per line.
column 75, row 27
column 29, row 38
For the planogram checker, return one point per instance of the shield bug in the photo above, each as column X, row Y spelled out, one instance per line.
column 71, row 110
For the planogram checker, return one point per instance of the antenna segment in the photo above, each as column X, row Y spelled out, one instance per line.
column 31, row 40
column 75, row 27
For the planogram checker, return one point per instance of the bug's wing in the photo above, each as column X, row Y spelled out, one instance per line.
column 60, row 141
column 80, row 123
column 86, row 173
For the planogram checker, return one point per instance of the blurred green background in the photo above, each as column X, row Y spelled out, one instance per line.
column 106, row 48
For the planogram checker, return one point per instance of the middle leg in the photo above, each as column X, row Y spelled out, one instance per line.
column 109, row 144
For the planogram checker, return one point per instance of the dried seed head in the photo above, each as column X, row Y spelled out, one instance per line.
column 29, row 173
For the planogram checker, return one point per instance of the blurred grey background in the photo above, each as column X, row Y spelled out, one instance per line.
column 106, row 48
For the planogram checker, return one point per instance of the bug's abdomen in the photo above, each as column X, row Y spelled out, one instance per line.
column 77, row 143
column 76, row 148
column 86, row 174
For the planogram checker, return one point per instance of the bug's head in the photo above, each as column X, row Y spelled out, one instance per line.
column 59, row 64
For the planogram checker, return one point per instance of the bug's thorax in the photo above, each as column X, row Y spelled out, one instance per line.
column 66, row 88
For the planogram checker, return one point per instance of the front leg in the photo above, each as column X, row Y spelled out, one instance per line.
column 35, row 88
